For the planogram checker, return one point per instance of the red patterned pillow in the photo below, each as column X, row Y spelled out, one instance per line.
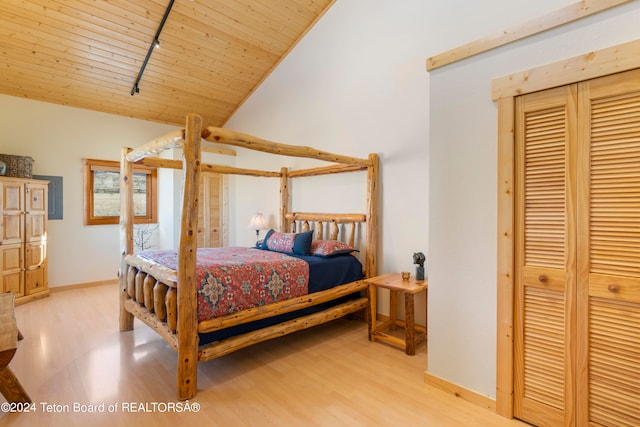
column 288, row 243
column 330, row 248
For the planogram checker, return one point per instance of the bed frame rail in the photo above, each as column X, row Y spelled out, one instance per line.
column 229, row 345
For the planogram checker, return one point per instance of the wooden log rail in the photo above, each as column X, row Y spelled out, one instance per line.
column 153, row 322
column 142, row 155
column 301, row 222
column 326, row 170
column 243, row 140
column 158, row 162
column 230, row 170
column 171, row 140
column 158, row 298
column 159, row 271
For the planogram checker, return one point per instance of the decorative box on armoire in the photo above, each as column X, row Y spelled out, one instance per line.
column 23, row 238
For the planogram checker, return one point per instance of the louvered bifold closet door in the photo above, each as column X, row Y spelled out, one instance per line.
column 545, row 257
column 609, row 252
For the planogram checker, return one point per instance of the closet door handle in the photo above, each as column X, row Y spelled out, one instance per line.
column 613, row 288
column 543, row 279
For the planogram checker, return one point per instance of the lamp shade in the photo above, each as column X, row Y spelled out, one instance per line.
column 258, row 222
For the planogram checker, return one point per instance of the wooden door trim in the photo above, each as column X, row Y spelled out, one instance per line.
column 591, row 65
column 616, row 59
column 506, row 257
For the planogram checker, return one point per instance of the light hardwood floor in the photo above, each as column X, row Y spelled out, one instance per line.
column 331, row 375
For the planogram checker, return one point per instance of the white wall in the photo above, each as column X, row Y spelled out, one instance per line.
column 357, row 84
column 58, row 138
column 463, row 197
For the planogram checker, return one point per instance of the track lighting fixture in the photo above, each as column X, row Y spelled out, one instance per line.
column 155, row 44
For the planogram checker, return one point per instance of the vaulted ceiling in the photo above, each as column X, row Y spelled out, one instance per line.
column 88, row 53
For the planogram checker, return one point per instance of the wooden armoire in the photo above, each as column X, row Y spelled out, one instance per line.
column 577, row 254
column 23, row 238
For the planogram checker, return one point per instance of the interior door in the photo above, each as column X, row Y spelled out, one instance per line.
column 544, row 344
column 609, row 251
column 210, row 211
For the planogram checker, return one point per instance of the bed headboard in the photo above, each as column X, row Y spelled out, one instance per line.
column 347, row 228
column 327, row 226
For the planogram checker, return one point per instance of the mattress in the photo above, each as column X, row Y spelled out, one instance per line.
column 236, row 278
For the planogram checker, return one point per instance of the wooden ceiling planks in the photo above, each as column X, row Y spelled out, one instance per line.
column 84, row 53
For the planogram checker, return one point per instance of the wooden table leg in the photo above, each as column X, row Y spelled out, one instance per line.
column 393, row 308
column 426, row 314
column 409, row 324
column 372, row 310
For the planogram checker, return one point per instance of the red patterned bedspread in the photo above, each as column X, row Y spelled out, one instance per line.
column 235, row 278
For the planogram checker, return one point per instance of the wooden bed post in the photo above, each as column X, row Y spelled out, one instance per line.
column 187, row 283
column 284, row 199
column 126, row 233
column 371, row 264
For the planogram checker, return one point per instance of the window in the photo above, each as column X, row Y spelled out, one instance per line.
column 102, row 193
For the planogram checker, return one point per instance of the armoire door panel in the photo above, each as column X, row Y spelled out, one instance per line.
column 609, row 251
column 11, row 258
column 13, row 282
column 36, row 198
column 12, row 197
column 36, row 227
column 12, row 228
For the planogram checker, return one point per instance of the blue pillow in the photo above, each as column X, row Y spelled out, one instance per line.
column 302, row 243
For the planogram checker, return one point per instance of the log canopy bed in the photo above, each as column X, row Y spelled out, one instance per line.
column 169, row 291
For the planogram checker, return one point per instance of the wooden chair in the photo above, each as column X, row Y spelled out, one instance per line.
column 10, row 387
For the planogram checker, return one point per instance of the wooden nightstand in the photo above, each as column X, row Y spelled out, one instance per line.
column 414, row 334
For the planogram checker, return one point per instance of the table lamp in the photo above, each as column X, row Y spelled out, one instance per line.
column 258, row 223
